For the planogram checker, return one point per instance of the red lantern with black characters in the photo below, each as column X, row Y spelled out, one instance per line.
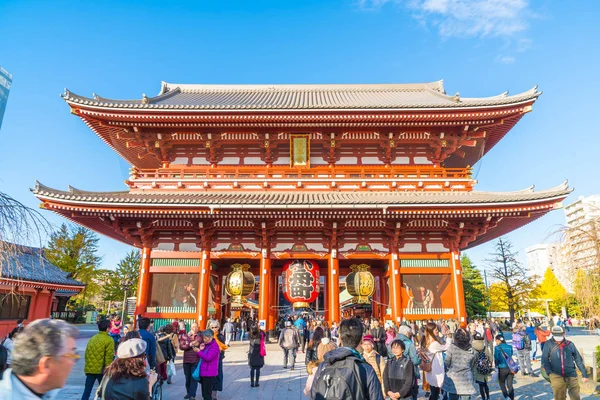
column 301, row 282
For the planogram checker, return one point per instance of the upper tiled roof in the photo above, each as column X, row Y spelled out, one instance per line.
column 30, row 264
column 302, row 97
column 271, row 199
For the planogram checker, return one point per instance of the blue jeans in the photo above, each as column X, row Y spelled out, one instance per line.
column 533, row 349
column 90, row 379
column 242, row 334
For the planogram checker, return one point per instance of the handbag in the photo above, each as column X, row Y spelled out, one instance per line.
column 196, row 373
column 512, row 364
column 263, row 348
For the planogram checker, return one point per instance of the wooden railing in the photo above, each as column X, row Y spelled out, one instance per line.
column 346, row 172
column 429, row 311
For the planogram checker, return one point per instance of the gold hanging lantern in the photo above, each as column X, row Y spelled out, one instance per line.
column 239, row 283
column 360, row 283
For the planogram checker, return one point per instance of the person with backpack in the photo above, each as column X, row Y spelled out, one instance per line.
column 560, row 360
column 289, row 342
column 530, row 331
column 522, row 343
column 344, row 374
column 398, row 378
column 503, row 359
column 376, row 360
column 483, row 367
column 458, row 382
column 431, row 353
column 256, row 357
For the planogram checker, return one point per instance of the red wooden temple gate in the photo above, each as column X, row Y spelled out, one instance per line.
column 338, row 174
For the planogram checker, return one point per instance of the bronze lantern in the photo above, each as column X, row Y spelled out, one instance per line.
column 360, row 283
column 239, row 283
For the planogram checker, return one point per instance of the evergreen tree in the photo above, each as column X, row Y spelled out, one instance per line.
column 74, row 250
column 476, row 301
column 127, row 269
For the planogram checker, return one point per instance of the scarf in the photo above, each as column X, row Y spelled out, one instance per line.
column 222, row 346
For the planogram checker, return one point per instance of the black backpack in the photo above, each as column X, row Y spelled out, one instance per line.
column 335, row 381
column 484, row 364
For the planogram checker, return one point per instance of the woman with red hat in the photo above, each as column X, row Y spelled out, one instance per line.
column 376, row 360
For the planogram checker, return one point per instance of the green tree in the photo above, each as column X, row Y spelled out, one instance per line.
column 476, row 301
column 517, row 287
column 550, row 288
column 74, row 250
column 127, row 269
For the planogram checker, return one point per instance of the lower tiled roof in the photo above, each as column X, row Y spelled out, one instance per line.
column 271, row 199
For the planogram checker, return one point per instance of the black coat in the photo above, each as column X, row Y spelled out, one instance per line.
column 398, row 376
column 254, row 357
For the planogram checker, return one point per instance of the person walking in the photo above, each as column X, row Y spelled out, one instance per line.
column 379, row 336
column 399, row 381
column 228, row 330
column 313, row 344
column 522, row 344
column 9, row 344
column 300, row 325
column 99, row 354
column 458, row 382
column 344, row 374
column 483, row 366
column 243, row 328
column 150, row 340
column 541, row 335
column 433, row 348
column 256, row 359
column 289, row 342
column 163, row 341
column 505, row 375
column 208, row 352
column 376, row 360
column 126, row 377
column 530, row 332
column 44, row 354
column 560, row 360
column 170, row 332
column 115, row 330
column 187, row 342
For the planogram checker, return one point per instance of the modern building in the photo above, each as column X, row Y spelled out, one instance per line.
column 540, row 257
column 286, row 181
column 31, row 287
column 5, row 84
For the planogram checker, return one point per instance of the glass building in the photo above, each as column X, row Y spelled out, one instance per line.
column 5, row 82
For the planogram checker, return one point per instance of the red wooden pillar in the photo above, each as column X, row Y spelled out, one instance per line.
column 273, row 303
column 51, row 295
column 218, row 296
column 384, row 297
column 203, row 289
column 395, row 287
column 264, row 290
column 333, row 288
column 459, row 291
column 143, row 284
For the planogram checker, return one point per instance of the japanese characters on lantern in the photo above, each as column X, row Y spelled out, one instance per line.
column 301, row 282
column 360, row 283
column 239, row 283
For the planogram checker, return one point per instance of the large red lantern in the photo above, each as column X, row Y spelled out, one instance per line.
column 301, row 282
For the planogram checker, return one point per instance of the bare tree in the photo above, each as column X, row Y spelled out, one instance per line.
column 516, row 284
column 19, row 225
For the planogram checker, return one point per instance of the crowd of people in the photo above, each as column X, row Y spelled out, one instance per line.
column 357, row 359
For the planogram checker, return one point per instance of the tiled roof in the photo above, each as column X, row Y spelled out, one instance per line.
column 302, row 97
column 271, row 199
column 30, row 264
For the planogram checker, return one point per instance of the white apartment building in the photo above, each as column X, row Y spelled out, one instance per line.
column 540, row 257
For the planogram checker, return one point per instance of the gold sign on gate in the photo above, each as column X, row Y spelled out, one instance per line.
column 360, row 283
column 299, row 150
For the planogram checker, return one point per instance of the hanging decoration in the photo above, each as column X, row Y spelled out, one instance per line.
column 239, row 283
column 301, row 282
column 360, row 283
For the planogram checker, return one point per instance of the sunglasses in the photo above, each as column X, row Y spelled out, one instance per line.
column 73, row 356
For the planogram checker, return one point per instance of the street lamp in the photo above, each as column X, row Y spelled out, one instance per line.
column 125, row 286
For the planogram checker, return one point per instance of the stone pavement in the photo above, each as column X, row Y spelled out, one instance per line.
column 282, row 384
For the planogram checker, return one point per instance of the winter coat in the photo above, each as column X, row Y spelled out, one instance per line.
column 435, row 377
column 410, row 352
column 498, row 357
column 12, row 388
column 542, row 335
column 373, row 358
column 210, row 359
column 562, row 360
column 185, row 344
column 479, row 347
column 166, row 346
column 288, row 339
column 346, row 360
column 398, row 376
column 150, row 346
column 379, row 333
column 459, row 378
column 325, row 346
column 131, row 388
column 254, row 357
column 99, row 353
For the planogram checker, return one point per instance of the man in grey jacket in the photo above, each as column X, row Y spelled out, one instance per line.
column 289, row 342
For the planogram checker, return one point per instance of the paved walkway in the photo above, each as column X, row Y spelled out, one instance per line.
column 282, row 384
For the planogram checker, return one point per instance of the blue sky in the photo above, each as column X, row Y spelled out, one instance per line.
column 479, row 48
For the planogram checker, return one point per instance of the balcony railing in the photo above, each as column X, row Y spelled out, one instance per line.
column 429, row 311
column 189, row 310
